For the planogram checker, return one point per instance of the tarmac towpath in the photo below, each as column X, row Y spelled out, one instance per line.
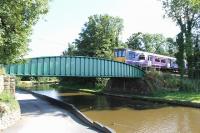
column 39, row 116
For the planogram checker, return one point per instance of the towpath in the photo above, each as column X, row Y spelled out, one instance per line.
column 39, row 116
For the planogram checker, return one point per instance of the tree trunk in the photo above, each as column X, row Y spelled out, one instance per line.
column 180, row 55
column 189, row 53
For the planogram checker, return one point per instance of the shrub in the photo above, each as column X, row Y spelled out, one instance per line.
column 171, row 82
column 7, row 102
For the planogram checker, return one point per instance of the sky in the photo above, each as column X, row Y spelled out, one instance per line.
column 65, row 19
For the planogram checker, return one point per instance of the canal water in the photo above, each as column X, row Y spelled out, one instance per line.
column 132, row 116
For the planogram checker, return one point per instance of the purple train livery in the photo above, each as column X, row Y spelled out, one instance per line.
column 145, row 59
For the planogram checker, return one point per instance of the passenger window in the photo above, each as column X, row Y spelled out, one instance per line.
column 141, row 57
column 157, row 60
column 163, row 61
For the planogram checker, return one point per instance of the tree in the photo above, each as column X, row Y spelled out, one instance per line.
column 180, row 54
column 186, row 13
column 16, row 20
column 99, row 36
column 155, row 43
column 136, row 42
column 171, row 46
column 71, row 50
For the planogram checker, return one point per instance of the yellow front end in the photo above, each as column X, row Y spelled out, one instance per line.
column 120, row 59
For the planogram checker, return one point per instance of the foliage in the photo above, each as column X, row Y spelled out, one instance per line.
column 171, row 46
column 71, row 50
column 155, row 43
column 159, row 81
column 180, row 54
column 16, row 20
column 196, row 58
column 99, row 36
column 186, row 13
column 2, row 70
column 7, row 102
column 179, row 96
column 37, row 79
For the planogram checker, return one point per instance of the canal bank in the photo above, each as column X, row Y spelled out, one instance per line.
column 126, row 115
column 38, row 115
column 73, row 110
column 172, row 101
column 186, row 99
column 180, row 99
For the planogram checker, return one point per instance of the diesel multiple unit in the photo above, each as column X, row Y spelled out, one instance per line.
column 145, row 59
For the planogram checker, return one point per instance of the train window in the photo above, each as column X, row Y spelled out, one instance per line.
column 163, row 61
column 116, row 54
column 141, row 57
column 123, row 54
column 157, row 60
column 119, row 53
column 131, row 55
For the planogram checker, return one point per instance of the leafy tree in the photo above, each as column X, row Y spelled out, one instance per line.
column 180, row 53
column 136, row 42
column 186, row 13
column 99, row 36
column 171, row 46
column 71, row 50
column 155, row 43
column 16, row 20
column 196, row 58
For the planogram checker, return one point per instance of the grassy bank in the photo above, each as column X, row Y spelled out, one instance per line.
column 29, row 85
column 178, row 96
column 167, row 86
column 164, row 86
column 7, row 102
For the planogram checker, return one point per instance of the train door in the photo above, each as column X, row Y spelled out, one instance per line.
column 150, row 58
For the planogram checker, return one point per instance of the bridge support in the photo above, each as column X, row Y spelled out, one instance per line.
column 128, row 86
column 7, row 83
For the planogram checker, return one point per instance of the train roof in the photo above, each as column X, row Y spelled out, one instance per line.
column 148, row 53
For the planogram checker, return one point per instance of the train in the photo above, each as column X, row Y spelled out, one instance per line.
column 146, row 59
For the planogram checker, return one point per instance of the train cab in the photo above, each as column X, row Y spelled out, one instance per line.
column 126, row 55
column 120, row 55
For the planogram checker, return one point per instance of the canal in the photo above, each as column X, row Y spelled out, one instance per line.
column 132, row 116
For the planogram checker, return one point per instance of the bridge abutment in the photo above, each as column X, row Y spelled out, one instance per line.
column 7, row 83
column 128, row 86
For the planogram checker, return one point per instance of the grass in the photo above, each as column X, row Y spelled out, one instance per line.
column 7, row 102
column 64, row 86
column 179, row 96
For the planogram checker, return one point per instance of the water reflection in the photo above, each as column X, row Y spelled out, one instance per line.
column 131, row 116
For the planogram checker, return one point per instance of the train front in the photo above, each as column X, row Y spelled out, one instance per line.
column 120, row 55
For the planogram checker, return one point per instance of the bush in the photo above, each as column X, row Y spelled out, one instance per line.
column 191, row 85
column 159, row 81
column 7, row 102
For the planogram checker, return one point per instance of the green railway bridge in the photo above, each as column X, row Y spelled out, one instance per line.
column 74, row 66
